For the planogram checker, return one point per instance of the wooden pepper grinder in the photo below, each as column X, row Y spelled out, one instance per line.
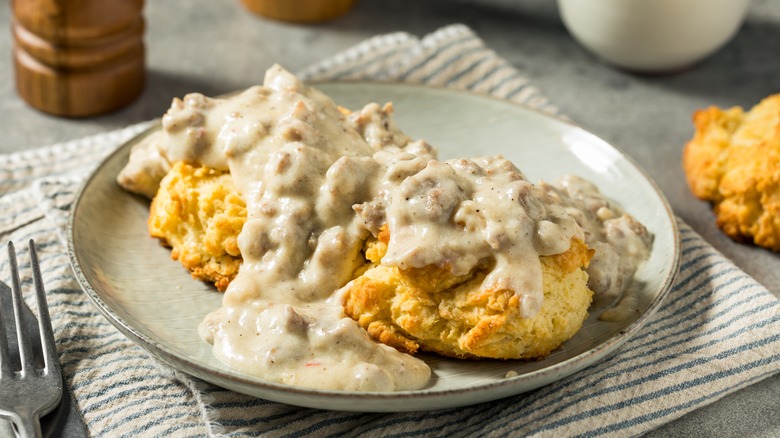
column 78, row 58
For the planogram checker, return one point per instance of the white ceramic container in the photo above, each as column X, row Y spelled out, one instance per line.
column 653, row 35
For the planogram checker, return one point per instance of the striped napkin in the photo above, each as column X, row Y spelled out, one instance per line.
column 717, row 331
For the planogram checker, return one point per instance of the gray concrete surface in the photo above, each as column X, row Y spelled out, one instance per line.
column 215, row 46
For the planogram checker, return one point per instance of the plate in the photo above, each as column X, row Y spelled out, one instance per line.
column 155, row 302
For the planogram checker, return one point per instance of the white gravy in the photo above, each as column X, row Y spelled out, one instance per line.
column 621, row 242
column 317, row 183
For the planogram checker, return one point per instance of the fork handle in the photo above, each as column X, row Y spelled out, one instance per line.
column 28, row 425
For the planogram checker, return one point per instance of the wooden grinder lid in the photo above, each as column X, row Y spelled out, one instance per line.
column 303, row 11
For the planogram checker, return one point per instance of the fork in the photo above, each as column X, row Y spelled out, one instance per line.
column 30, row 392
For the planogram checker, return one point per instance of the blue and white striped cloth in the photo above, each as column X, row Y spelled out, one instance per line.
column 717, row 331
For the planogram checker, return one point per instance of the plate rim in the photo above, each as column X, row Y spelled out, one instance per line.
column 573, row 364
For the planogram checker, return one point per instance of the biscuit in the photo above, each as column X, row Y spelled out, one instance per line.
column 198, row 213
column 430, row 309
column 733, row 161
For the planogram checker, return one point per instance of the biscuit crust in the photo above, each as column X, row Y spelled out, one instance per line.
column 430, row 309
column 733, row 161
column 198, row 213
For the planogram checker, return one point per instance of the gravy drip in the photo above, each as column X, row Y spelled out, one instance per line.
column 317, row 184
column 620, row 242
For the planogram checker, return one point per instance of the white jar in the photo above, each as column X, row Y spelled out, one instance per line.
column 653, row 35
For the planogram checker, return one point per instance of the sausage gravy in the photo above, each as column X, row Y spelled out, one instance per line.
column 318, row 182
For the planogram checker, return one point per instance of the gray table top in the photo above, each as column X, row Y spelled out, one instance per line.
column 190, row 43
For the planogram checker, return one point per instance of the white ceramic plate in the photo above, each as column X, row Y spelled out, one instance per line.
column 151, row 298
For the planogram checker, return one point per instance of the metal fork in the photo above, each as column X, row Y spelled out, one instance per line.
column 29, row 392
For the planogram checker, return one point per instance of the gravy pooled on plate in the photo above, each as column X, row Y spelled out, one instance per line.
column 318, row 183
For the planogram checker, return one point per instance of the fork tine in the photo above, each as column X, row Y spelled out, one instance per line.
column 44, row 319
column 25, row 350
column 5, row 354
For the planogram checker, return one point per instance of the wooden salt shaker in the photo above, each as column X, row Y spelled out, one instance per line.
column 78, row 58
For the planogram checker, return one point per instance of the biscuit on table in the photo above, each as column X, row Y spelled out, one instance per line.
column 733, row 161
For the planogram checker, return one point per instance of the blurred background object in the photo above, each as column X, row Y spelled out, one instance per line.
column 78, row 58
column 299, row 10
column 656, row 35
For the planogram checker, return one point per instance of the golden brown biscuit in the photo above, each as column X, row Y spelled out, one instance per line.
column 198, row 212
column 433, row 310
column 733, row 161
